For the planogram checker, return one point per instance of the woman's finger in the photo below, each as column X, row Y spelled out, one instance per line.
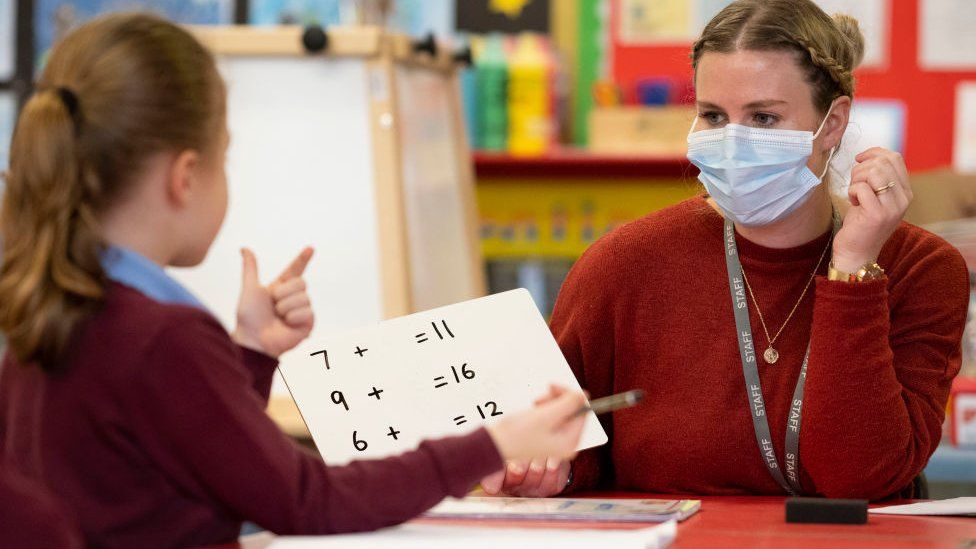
column 515, row 474
column 492, row 484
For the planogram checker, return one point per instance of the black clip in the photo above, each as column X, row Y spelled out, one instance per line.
column 314, row 39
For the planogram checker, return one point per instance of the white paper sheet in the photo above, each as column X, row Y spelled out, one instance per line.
column 948, row 507
column 964, row 145
column 432, row 536
column 8, row 38
column 873, row 19
column 947, row 35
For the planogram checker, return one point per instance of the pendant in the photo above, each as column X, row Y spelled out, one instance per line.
column 771, row 355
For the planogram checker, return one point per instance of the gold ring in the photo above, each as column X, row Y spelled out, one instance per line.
column 884, row 189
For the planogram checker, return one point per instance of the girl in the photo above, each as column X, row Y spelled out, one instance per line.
column 119, row 393
column 782, row 349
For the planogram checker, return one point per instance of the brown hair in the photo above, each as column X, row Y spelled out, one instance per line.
column 828, row 49
column 114, row 92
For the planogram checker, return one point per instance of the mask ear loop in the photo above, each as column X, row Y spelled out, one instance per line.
column 693, row 124
column 832, row 149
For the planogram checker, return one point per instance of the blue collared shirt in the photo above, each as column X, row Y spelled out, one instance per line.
column 140, row 273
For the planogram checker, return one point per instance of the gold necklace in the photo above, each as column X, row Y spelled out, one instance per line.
column 771, row 355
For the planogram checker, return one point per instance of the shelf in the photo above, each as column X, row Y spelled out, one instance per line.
column 580, row 164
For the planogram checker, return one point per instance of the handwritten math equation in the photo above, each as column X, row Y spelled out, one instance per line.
column 453, row 375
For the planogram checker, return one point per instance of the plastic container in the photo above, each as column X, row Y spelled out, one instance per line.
column 491, row 92
column 529, row 97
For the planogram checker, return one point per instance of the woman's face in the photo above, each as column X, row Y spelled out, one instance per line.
column 765, row 89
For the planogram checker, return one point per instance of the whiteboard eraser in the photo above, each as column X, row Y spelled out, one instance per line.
column 827, row 511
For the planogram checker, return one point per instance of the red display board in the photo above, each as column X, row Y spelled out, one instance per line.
column 929, row 97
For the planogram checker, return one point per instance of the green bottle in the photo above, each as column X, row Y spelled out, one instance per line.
column 491, row 81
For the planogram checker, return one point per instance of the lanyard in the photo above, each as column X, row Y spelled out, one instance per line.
column 747, row 352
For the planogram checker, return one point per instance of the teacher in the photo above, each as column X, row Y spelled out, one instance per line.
column 790, row 339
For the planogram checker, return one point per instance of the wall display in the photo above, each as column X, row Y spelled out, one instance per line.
column 8, row 118
column 946, row 37
column 380, row 390
column 874, row 19
column 54, row 18
column 964, row 146
column 483, row 16
column 8, row 38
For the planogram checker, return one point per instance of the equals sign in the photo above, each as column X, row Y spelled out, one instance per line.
column 443, row 323
column 439, row 378
column 419, row 336
column 460, row 420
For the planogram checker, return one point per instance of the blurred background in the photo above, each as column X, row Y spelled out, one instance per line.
column 577, row 113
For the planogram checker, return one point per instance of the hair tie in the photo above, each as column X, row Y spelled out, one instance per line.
column 69, row 99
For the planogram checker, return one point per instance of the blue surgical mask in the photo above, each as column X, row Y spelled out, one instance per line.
column 756, row 176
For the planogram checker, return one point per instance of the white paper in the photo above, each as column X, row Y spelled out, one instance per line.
column 435, row 536
column 8, row 119
column 873, row 19
column 947, row 35
column 948, row 507
column 964, row 143
column 441, row 372
column 8, row 38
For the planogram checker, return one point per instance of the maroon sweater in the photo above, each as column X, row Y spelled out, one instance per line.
column 156, row 436
column 30, row 518
column 648, row 307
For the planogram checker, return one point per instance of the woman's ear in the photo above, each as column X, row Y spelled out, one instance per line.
column 836, row 123
column 182, row 179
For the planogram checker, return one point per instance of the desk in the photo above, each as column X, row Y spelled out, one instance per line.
column 744, row 521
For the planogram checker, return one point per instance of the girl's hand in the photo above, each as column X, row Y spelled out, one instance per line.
column 537, row 445
column 872, row 216
column 273, row 319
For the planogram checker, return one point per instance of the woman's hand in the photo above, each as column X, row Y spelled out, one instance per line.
column 537, row 445
column 872, row 216
column 273, row 319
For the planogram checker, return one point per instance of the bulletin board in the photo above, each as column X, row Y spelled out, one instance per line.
column 324, row 153
column 929, row 100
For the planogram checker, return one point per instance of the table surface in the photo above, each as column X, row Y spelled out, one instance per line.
column 755, row 521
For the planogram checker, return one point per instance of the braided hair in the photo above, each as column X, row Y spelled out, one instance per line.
column 828, row 48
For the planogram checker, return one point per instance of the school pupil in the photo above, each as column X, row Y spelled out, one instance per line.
column 119, row 392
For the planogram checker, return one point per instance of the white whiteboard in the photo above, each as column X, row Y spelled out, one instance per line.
column 300, row 172
column 439, row 245
column 441, row 372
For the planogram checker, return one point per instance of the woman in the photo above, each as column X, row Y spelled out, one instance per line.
column 718, row 340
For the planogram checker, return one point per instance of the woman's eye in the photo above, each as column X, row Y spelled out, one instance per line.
column 765, row 119
column 712, row 118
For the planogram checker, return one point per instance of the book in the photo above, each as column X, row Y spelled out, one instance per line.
column 566, row 509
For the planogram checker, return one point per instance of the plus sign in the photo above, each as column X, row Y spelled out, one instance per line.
column 376, row 393
column 360, row 352
column 393, row 433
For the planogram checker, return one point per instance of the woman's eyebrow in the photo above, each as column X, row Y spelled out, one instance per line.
column 764, row 103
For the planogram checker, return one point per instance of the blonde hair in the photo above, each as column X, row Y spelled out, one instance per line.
column 828, row 49
column 114, row 92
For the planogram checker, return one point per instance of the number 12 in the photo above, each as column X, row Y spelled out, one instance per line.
column 494, row 410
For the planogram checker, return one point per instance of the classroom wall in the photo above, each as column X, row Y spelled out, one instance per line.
column 929, row 96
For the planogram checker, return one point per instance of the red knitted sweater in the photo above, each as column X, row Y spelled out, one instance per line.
column 648, row 307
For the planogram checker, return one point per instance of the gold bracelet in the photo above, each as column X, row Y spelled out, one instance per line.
column 869, row 271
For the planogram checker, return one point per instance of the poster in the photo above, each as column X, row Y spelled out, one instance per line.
column 8, row 38
column 964, row 146
column 947, row 35
column 8, row 117
column 413, row 17
column 509, row 16
column 874, row 19
column 648, row 22
column 54, row 18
